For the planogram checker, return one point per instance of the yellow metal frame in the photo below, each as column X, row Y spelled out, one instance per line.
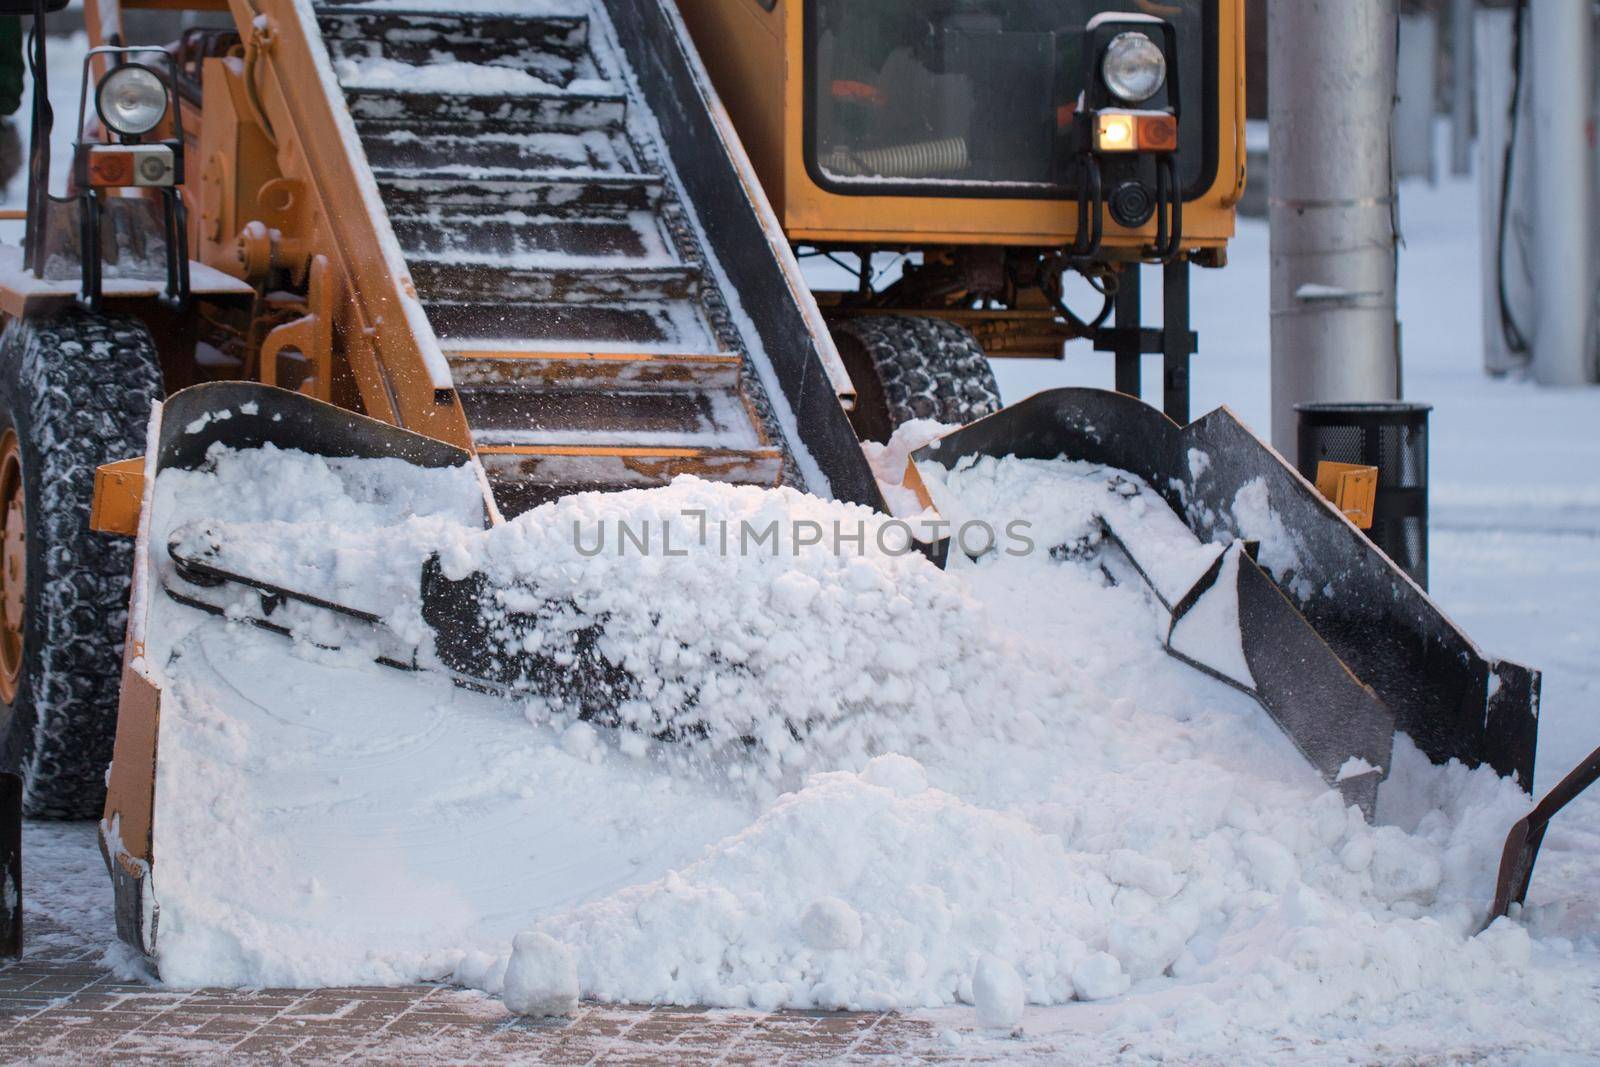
column 756, row 62
column 274, row 184
column 118, row 497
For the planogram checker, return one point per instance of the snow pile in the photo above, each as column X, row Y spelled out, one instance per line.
column 741, row 615
column 1002, row 774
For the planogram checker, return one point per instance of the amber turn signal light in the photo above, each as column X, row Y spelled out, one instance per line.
column 1135, row 131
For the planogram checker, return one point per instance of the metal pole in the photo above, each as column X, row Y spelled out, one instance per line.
column 1493, row 62
column 1331, row 85
column 33, row 231
column 1560, row 63
column 1128, row 349
column 1461, row 87
column 1416, row 97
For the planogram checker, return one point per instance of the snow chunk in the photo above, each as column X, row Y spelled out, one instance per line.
column 1355, row 767
column 997, row 992
column 888, row 462
column 1099, row 977
column 580, row 740
column 1403, row 868
column 1154, row 876
column 542, row 978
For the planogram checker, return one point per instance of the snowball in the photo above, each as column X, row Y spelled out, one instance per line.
column 830, row 924
column 1098, row 977
column 900, row 774
column 997, row 993
column 542, row 977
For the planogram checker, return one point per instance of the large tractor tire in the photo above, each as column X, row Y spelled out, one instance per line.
column 906, row 367
column 75, row 392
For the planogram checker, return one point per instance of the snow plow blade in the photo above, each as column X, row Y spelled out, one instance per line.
column 1340, row 648
column 1344, row 648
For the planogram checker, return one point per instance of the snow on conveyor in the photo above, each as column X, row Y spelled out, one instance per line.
column 1013, row 768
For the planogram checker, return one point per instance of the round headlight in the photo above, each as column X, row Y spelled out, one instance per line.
column 131, row 100
column 1133, row 67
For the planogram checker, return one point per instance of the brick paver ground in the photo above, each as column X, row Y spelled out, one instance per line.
column 60, row 1004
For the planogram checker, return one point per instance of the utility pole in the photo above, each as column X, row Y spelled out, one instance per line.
column 1331, row 85
column 1561, row 64
column 1461, row 87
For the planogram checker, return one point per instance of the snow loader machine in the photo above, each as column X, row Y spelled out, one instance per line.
column 561, row 246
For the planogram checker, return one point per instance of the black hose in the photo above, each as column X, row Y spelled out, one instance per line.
column 1516, row 341
column 1053, row 284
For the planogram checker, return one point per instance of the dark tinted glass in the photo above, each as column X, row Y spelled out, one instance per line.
column 949, row 92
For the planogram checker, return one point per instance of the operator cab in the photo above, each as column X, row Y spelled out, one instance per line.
column 1018, row 99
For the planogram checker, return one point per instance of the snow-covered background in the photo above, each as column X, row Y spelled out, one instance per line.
column 1098, row 844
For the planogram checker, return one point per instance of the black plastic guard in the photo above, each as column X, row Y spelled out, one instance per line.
column 10, row 865
column 1452, row 701
column 249, row 415
column 133, row 906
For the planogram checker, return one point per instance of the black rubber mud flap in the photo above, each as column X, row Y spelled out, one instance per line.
column 10, row 865
column 1391, row 639
column 133, row 905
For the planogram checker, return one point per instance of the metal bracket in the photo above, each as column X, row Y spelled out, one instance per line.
column 311, row 335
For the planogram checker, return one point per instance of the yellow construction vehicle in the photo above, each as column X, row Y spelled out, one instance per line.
column 542, row 244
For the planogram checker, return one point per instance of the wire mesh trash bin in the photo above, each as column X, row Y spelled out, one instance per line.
column 1393, row 437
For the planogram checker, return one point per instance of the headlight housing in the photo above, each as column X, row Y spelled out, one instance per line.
column 131, row 100
column 1134, row 67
